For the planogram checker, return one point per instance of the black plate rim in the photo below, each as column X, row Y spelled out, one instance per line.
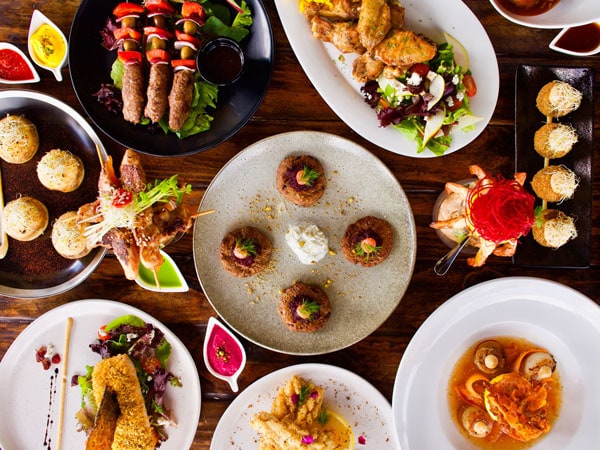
column 258, row 71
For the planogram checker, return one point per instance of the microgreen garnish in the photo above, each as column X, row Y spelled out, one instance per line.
column 246, row 245
column 308, row 309
column 323, row 417
column 539, row 216
column 161, row 191
column 366, row 250
column 302, row 396
column 309, row 176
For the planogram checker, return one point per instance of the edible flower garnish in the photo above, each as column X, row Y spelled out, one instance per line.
column 308, row 439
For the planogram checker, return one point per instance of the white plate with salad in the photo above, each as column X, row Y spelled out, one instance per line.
column 34, row 401
column 331, row 72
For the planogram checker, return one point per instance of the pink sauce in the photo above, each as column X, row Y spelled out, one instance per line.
column 224, row 354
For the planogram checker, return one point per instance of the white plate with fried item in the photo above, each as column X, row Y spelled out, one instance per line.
column 353, row 398
column 243, row 193
column 543, row 312
column 31, row 395
column 331, row 72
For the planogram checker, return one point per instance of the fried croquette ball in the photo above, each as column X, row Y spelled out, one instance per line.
column 24, row 218
column 60, row 170
column 554, row 183
column 557, row 99
column 19, row 139
column 554, row 140
column 553, row 228
column 68, row 238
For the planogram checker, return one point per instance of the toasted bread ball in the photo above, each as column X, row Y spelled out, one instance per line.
column 553, row 228
column 25, row 218
column 19, row 139
column 67, row 237
column 554, row 140
column 60, row 170
column 554, row 183
column 557, row 99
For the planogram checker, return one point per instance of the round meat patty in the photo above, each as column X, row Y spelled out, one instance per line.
column 301, row 179
column 245, row 252
column 368, row 241
column 304, row 308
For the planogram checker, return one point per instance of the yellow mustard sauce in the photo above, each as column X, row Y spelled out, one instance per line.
column 48, row 46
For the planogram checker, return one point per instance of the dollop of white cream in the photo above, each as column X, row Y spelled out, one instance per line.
column 307, row 242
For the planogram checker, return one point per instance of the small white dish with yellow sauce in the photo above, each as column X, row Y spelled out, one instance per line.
column 47, row 44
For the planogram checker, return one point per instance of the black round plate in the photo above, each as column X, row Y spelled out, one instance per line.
column 34, row 268
column 90, row 65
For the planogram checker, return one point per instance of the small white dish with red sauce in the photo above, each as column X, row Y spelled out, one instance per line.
column 224, row 354
column 15, row 66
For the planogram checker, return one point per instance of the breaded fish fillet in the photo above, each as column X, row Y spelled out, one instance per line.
column 133, row 429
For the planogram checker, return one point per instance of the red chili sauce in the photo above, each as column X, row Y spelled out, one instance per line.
column 528, row 7
column 583, row 39
column 13, row 67
column 224, row 354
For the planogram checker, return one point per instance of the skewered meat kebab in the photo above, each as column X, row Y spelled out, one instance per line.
column 158, row 55
column 129, row 40
column 187, row 43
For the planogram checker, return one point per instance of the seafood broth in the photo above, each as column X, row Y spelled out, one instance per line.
column 465, row 367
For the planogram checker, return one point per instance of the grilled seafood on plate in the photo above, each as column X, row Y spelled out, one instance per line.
column 133, row 218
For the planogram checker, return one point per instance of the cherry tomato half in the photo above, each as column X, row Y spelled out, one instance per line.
column 420, row 69
column 470, row 85
column 122, row 197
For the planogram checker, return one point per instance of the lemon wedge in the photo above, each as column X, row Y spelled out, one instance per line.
column 461, row 56
column 341, row 431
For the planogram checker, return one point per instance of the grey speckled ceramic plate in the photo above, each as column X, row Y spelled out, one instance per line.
column 244, row 193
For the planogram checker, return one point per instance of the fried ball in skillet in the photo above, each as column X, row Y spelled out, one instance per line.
column 67, row 237
column 60, row 170
column 24, row 218
column 19, row 140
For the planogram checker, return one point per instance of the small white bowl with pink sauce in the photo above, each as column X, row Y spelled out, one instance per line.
column 224, row 354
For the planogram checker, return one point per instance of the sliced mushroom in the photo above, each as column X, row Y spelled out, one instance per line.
column 476, row 421
column 538, row 366
column 489, row 357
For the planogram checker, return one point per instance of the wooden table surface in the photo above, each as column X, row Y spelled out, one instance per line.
column 292, row 103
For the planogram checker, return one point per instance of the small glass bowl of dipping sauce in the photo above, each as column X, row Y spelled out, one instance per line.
column 582, row 40
column 448, row 206
column 220, row 61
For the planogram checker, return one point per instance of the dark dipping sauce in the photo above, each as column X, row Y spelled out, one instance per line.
column 582, row 39
column 220, row 61
column 527, row 7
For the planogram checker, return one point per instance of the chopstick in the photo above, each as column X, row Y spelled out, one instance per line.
column 4, row 243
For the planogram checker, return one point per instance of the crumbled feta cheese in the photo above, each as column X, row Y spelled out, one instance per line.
column 414, row 80
column 460, row 96
column 455, row 79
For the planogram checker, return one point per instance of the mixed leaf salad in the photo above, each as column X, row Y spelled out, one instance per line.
column 428, row 100
column 230, row 20
column 149, row 352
